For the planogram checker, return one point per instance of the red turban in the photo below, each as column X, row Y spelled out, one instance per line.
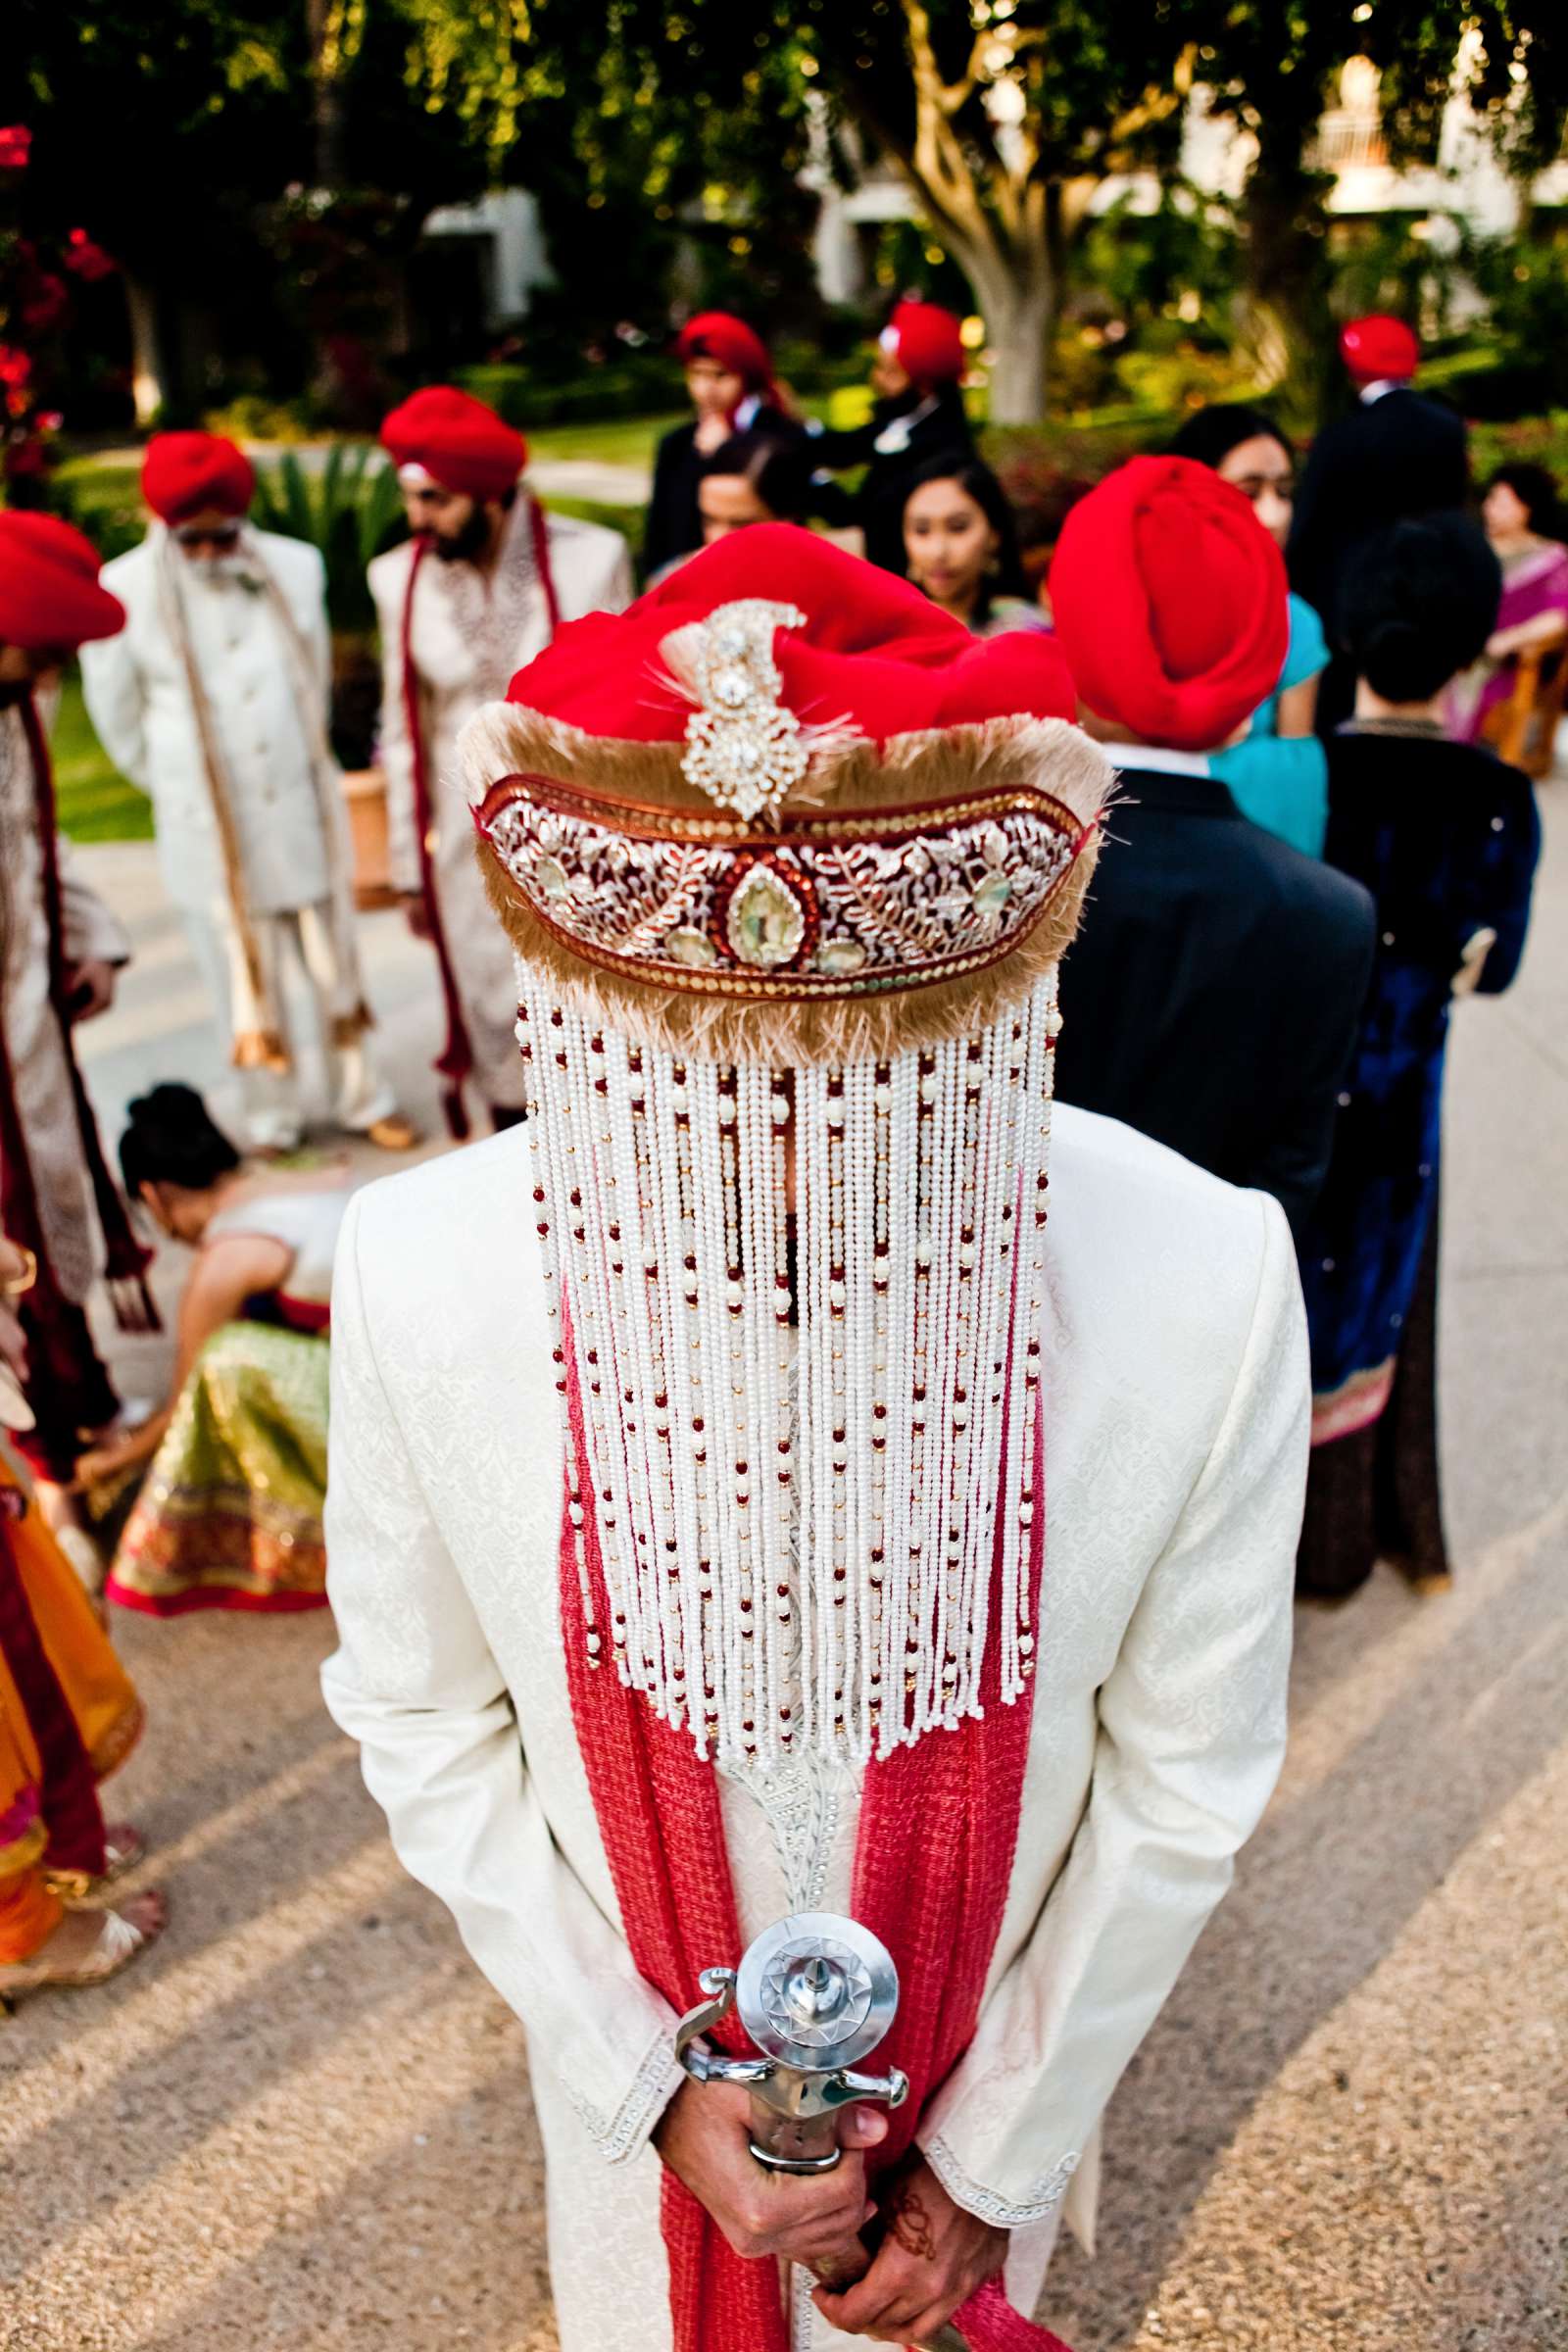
column 873, row 656
column 195, row 473
column 464, row 445
column 715, row 335
column 927, row 343
column 1380, row 349
column 49, row 592
column 1169, row 600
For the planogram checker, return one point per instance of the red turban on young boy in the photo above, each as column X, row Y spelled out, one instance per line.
column 718, row 335
column 195, row 473
column 927, row 342
column 1169, row 600
column 49, row 592
column 461, row 444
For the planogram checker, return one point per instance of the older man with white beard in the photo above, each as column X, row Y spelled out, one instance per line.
column 214, row 699
column 480, row 590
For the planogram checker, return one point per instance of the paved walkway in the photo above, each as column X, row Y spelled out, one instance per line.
column 306, row 2121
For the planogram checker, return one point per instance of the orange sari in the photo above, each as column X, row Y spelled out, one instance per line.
column 68, row 1715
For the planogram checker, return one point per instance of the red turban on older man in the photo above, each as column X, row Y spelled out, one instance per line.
column 195, row 473
column 1169, row 600
column 461, row 444
column 49, row 592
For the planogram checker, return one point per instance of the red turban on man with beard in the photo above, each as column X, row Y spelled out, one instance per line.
column 460, row 443
column 1169, row 601
column 196, row 473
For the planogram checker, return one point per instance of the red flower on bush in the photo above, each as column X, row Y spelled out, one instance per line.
column 15, row 140
column 88, row 261
column 16, row 366
column 46, row 304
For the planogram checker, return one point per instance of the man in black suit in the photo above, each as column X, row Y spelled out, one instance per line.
column 920, row 413
column 1397, row 453
column 1212, row 995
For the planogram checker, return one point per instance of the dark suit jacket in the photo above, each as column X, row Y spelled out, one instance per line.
column 1212, row 995
column 941, row 429
column 674, row 524
column 1390, row 457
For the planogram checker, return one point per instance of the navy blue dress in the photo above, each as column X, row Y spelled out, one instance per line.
column 1445, row 838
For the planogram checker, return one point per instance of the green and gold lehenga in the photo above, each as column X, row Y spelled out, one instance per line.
column 230, row 1514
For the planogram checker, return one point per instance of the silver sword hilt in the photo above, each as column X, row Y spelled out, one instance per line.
column 816, row 1993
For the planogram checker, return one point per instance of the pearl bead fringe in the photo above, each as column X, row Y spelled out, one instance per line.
column 806, row 1506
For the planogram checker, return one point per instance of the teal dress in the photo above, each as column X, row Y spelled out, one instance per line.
column 1283, row 785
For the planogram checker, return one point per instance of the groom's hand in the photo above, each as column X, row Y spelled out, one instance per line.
column 806, row 2218
column 931, row 2261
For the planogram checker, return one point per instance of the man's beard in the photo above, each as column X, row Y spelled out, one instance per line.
column 218, row 570
column 12, row 691
column 465, row 546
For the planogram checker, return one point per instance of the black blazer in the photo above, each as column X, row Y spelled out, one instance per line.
column 1212, row 995
column 674, row 522
column 935, row 427
column 1398, row 456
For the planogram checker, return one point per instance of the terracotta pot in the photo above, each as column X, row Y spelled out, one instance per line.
column 364, row 789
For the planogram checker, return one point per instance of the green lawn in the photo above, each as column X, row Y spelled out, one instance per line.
column 94, row 800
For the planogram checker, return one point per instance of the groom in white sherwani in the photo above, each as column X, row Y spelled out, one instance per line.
column 746, row 1498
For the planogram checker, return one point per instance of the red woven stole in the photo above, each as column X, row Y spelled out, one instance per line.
column 455, row 1061
column 125, row 1259
column 939, row 1823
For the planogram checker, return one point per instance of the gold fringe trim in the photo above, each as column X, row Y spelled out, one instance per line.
column 795, row 1033
column 934, row 766
column 1048, row 754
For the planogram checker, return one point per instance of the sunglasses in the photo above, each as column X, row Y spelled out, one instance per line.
column 222, row 536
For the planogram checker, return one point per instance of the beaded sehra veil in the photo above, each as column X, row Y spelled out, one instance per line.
column 787, row 1006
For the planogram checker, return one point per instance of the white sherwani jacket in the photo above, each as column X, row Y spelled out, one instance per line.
column 1176, row 1432
column 40, row 1074
column 460, row 669
column 138, row 700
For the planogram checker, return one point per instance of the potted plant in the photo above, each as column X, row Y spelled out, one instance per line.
column 347, row 507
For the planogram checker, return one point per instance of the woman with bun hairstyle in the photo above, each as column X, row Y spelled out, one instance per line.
column 1527, row 526
column 229, row 1516
column 1445, row 838
column 1277, row 774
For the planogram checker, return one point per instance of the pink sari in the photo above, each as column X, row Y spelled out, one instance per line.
column 1532, row 583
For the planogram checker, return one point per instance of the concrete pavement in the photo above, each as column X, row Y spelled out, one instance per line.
column 305, row 2119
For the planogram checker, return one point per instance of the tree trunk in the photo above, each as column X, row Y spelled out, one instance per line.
column 149, row 380
column 1288, row 323
column 1020, row 319
column 1017, row 300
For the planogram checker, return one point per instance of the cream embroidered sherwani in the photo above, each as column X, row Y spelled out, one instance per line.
column 293, row 851
column 468, row 639
column 1176, row 1430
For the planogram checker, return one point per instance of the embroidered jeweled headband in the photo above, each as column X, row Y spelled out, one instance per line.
column 780, row 885
column 788, row 859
